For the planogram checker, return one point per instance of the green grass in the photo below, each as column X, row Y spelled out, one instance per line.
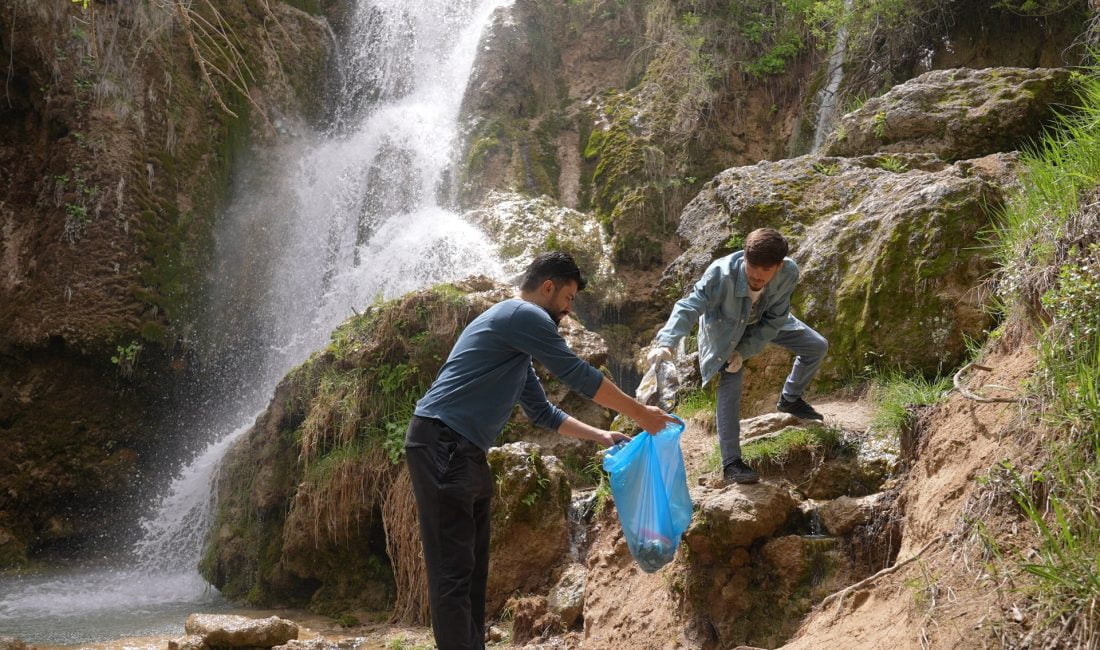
column 893, row 392
column 1048, row 254
column 777, row 450
column 699, row 399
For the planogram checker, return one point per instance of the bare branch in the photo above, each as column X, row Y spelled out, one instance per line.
column 839, row 596
column 974, row 396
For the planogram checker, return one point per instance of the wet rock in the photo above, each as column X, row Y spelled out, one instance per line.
column 566, row 598
column 219, row 630
column 735, row 516
column 889, row 252
column 955, row 114
column 843, row 514
column 530, row 533
column 189, row 642
column 12, row 643
column 854, row 476
column 523, row 227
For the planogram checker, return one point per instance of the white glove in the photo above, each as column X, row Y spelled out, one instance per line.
column 658, row 354
column 735, row 363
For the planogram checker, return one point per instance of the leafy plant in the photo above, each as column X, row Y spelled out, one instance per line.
column 878, row 125
column 892, row 164
column 126, row 358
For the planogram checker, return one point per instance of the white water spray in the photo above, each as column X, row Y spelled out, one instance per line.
column 315, row 228
column 827, row 96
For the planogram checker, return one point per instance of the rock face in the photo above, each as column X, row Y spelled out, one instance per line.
column 559, row 105
column 530, row 532
column 887, row 246
column 223, row 631
column 522, row 227
column 113, row 160
column 955, row 114
column 314, row 504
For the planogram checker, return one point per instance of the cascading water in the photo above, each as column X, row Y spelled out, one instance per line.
column 827, row 96
column 316, row 227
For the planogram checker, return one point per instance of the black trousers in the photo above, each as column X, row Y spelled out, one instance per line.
column 453, row 485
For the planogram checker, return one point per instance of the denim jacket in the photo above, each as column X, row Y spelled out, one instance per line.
column 720, row 302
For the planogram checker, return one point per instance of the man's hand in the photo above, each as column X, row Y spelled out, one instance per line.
column 608, row 438
column 658, row 354
column 652, row 419
column 735, row 363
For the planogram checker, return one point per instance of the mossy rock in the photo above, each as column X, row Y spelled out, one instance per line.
column 955, row 114
column 890, row 262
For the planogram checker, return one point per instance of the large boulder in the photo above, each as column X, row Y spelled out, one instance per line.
column 530, row 533
column 955, row 114
column 229, row 631
column 735, row 516
column 888, row 248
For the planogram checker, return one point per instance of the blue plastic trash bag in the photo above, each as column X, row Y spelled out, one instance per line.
column 649, row 486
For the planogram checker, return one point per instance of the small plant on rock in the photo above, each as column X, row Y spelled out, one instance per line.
column 878, row 125
column 126, row 358
column 892, row 164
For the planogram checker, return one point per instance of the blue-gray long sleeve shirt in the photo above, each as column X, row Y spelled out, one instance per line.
column 489, row 370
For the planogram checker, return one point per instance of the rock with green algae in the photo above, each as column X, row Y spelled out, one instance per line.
column 891, row 267
column 955, row 114
column 115, row 159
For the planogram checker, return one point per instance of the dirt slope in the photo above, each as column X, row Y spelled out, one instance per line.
column 944, row 599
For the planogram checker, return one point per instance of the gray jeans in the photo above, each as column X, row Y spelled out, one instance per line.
column 809, row 349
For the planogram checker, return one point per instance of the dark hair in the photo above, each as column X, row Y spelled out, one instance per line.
column 765, row 247
column 556, row 266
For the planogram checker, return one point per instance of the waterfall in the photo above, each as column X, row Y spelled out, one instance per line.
column 826, row 97
column 320, row 225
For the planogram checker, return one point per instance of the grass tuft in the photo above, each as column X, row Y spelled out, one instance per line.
column 894, row 393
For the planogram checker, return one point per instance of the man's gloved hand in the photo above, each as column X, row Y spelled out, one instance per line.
column 734, row 364
column 658, row 354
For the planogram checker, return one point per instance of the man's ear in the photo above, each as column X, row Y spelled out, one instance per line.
column 547, row 287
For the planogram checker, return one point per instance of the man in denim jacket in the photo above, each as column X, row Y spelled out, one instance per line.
column 743, row 302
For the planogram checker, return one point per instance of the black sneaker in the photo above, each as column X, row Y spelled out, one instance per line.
column 798, row 408
column 738, row 472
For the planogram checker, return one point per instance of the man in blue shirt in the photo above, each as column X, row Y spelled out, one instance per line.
column 488, row 371
column 742, row 303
